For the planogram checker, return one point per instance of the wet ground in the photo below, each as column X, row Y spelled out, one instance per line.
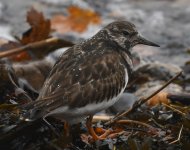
column 165, row 22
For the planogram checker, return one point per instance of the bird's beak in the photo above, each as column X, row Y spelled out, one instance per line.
column 143, row 41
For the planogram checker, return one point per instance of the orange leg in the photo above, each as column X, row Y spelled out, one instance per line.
column 66, row 128
column 93, row 133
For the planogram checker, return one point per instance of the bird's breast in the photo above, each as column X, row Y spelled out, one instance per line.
column 73, row 114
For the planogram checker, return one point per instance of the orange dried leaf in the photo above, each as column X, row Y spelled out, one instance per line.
column 158, row 98
column 18, row 57
column 23, row 56
column 99, row 130
column 78, row 20
column 40, row 27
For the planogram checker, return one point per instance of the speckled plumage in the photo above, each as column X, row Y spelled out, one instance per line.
column 89, row 76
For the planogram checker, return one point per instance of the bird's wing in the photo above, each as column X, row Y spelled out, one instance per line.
column 80, row 79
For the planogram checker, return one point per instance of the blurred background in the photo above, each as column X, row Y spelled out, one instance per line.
column 165, row 22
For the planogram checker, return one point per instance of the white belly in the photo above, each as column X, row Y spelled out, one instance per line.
column 74, row 115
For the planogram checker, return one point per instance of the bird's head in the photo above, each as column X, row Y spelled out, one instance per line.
column 126, row 35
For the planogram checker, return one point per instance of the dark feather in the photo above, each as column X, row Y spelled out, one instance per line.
column 89, row 72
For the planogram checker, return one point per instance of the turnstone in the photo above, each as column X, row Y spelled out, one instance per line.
column 90, row 76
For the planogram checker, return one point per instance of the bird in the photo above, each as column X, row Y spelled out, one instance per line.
column 88, row 77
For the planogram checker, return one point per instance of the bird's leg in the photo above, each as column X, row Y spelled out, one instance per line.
column 93, row 133
column 90, row 129
column 66, row 129
column 51, row 127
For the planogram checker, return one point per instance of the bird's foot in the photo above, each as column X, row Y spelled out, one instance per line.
column 92, row 132
column 102, row 133
column 109, row 133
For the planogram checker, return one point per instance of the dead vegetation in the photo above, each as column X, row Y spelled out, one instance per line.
column 159, row 120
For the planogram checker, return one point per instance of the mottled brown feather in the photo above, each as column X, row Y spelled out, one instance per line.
column 77, row 80
column 90, row 72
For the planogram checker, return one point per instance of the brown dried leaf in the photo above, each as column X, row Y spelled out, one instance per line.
column 78, row 20
column 40, row 30
column 40, row 27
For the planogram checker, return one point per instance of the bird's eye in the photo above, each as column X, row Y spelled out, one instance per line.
column 125, row 32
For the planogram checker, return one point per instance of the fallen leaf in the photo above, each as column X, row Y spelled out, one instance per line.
column 18, row 57
column 78, row 20
column 159, row 98
column 7, row 106
column 99, row 130
column 86, row 138
column 40, row 30
column 3, row 41
column 133, row 145
column 40, row 27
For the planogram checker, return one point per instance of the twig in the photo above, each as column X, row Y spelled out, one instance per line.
column 182, row 98
column 35, row 45
column 174, row 109
column 134, row 122
column 179, row 136
column 156, row 123
column 143, row 100
column 104, row 118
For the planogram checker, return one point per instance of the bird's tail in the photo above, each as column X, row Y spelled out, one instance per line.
column 32, row 111
column 40, row 107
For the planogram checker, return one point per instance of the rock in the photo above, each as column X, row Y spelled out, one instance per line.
column 158, row 70
column 150, row 87
column 124, row 103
